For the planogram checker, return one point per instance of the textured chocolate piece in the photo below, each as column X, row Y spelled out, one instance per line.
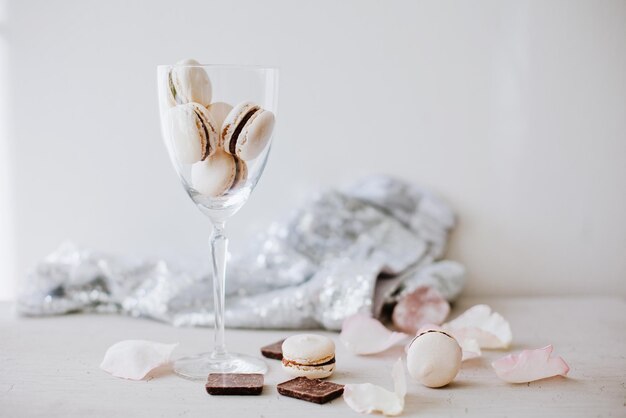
column 310, row 390
column 274, row 350
column 234, row 384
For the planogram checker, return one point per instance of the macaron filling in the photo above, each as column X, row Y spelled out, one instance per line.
column 435, row 330
column 239, row 172
column 296, row 364
column 233, row 139
column 207, row 150
column 170, row 82
column 429, row 331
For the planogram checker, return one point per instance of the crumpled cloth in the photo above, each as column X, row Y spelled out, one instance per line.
column 353, row 250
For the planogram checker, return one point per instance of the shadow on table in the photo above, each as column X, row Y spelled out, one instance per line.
column 159, row 372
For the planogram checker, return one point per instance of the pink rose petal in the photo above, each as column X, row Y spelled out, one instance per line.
column 134, row 359
column 530, row 365
column 471, row 349
column 362, row 335
column 424, row 305
column 367, row 398
column 488, row 328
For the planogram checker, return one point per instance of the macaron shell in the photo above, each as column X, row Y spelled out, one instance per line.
column 215, row 175
column 192, row 131
column 219, row 111
column 308, row 349
column 241, row 173
column 434, row 359
column 165, row 95
column 190, row 84
column 256, row 135
column 232, row 121
column 311, row 372
column 186, row 140
column 208, row 129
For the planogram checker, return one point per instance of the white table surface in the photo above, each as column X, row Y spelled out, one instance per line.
column 49, row 367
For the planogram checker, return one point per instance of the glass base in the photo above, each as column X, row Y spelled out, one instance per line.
column 200, row 366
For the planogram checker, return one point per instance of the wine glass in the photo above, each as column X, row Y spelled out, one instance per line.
column 217, row 122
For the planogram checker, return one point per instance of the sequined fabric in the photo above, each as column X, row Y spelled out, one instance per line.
column 348, row 251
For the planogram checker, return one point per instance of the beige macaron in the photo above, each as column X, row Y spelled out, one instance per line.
column 247, row 130
column 188, row 82
column 434, row 358
column 194, row 134
column 309, row 355
column 241, row 174
column 219, row 111
column 214, row 176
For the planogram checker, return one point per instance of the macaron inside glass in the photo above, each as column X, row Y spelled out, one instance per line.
column 309, row 355
column 194, row 135
column 188, row 82
column 434, row 358
column 214, row 176
column 219, row 111
column 241, row 173
column 247, row 130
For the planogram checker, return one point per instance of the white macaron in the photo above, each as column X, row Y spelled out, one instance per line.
column 194, row 135
column 247, row 130
column 434, row 358
column 309, row 355
column 219, row 111
column 218, row 174
column 188, row 82
column 241, row 174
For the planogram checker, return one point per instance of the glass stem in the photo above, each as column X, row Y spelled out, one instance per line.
column 219, row 246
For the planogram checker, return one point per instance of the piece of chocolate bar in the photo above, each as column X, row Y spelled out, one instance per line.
column 310, row 390
column 234, row 384
column 274, row 351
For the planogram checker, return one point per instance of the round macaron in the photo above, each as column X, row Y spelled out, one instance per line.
column 219, row 111
column 309, row 355
column 214, row 176
column 247, row 130
column 194, row 135
column 434, row 358
column 241, row 173
column 188, row 82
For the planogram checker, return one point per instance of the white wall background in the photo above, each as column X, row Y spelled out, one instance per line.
column 515, row 112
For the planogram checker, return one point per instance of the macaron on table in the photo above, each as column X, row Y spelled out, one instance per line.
column 434, row 358
column 308, row 355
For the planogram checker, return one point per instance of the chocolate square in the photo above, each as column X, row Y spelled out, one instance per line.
column 310, row 390
column 274, row 350
column 234, row 384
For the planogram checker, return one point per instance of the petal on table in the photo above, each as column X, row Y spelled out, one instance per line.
column 530, row 365
column 368, row 398
column 488, row 328
column 471, row 349
column 134, row 359
column 362, row 334
column 422, row 306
